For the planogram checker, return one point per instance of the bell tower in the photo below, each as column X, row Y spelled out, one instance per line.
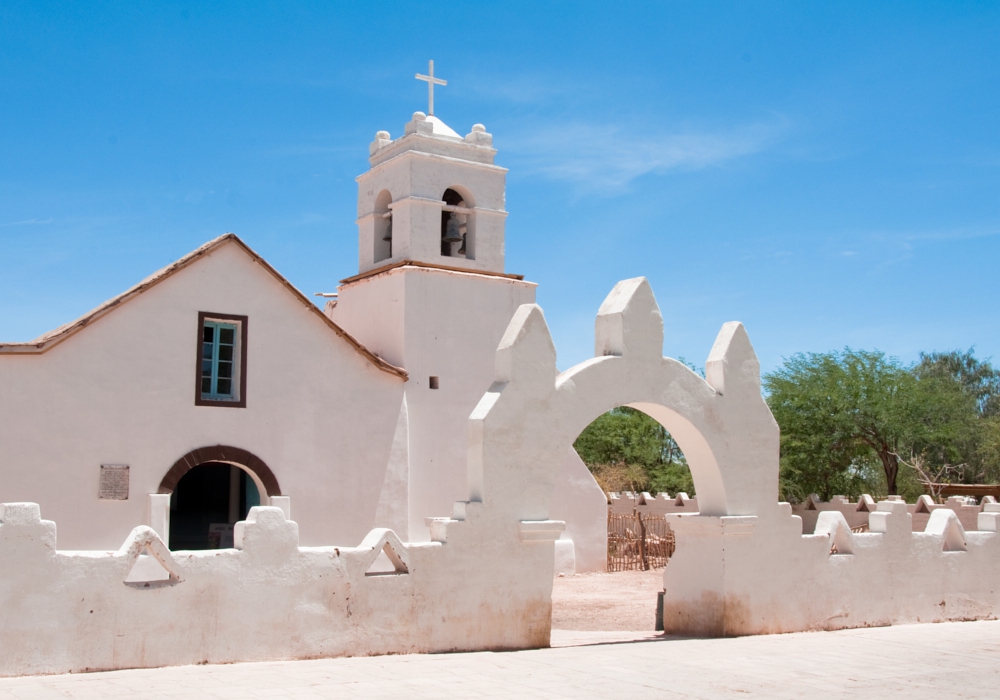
column 432, row 196
column 431, row 297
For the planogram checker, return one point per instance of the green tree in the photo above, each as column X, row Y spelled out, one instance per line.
column 977, row 377
column 989, row 449
column 968, row 448
column 839, row 412
column 625, row 448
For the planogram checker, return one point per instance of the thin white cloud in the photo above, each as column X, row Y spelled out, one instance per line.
column 953, row 234
column 609, row 158
column 28, row 222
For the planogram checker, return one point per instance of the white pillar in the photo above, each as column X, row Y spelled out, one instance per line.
column 158, row 515
column 234, row 493
column 285, row 503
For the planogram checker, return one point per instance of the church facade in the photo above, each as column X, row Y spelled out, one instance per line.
column 215, row 385
column 395, row 473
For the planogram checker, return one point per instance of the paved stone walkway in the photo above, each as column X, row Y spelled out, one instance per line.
column 954, row 660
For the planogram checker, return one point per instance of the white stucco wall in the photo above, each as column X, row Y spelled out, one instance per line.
column 416, row 169
column 122, row 390
column 578, row 501
column 434, row 323
column 485, row 579
column 268, row 598
column 742, row 565
column 722, row 578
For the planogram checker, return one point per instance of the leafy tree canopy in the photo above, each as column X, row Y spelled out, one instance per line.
column 844, row 415
column 851, row 422
column 977, row 377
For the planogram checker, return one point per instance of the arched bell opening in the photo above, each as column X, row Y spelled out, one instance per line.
column 383, row 226
column 211, row 489
column 458, row 224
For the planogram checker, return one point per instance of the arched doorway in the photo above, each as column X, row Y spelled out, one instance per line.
column 629, row 452
column 208, row 500
column 211, row 489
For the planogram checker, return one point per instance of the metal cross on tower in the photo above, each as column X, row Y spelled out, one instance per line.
column 431, row 82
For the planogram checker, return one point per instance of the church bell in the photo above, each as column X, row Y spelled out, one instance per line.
column 452, row 231
column 388, row 231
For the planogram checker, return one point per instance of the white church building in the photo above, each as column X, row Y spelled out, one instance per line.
column 302, row 463
column 215, row 385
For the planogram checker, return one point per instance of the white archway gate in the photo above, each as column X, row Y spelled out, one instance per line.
column 532, row 414
column 742, row 565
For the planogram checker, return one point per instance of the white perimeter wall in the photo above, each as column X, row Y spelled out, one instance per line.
column 122, row 391
column 268, row 599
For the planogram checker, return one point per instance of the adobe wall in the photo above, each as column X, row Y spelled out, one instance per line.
column 269, row 598
column 579, row 502
column 744, row 575
column 742, row 564
column 122, row 391
column 856, row 514
column 434, row 323
column 646, row 503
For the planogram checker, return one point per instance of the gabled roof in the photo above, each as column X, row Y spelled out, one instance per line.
column 52, row 338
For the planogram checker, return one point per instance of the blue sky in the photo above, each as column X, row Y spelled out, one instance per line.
column 829, row 174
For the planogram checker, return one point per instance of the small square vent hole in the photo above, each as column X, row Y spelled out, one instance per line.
column 434, row 383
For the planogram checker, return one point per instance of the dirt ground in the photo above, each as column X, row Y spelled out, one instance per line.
column 624, row 600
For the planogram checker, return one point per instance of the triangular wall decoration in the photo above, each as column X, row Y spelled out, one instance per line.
column 149, row 561
column 387, row 563
column 148, row 570
column 946, row 525
column 388, row 554
column 833, row 524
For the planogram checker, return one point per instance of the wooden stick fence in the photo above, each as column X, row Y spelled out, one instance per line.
column 638, row 542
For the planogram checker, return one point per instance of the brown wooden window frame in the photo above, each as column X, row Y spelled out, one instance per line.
column 240, row 402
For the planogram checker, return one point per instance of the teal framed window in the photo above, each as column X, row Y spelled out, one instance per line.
column 218, row 360
column 221, row 360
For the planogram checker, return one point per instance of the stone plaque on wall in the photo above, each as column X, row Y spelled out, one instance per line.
column 114, row 482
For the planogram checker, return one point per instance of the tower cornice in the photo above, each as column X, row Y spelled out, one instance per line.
column 375, row 169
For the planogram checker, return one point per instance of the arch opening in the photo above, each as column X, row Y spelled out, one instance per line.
column 236, row 476
column 383, row 226
column 458, row 224
column 207, row 502
column 627, row 450
column 263, row 477
column 632, row 474
column 698, row 457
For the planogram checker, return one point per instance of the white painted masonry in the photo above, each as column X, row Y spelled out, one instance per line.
column 355, row 440
column 121, row 390
column 430, row 387
column 485, row 580
column 742, row 565
column 436, row 323
column 578, row 501
column 266, row 599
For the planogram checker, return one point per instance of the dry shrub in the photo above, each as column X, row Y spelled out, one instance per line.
column 619, row 476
